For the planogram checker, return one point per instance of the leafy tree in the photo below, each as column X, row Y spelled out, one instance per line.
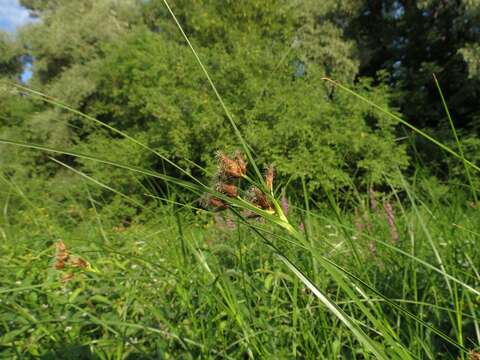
column 270, row 78
column 413, row 39
column 10, row 52
column 127, row 64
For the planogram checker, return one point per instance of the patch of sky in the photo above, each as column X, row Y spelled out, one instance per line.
column 12, row 17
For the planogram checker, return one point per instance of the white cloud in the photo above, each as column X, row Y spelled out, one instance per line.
column 12, row 15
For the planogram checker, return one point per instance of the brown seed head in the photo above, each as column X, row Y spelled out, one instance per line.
column 78, row 262
column 227, row 189
column 473, row 355
column 242, row 164
column 261, row 200
column 250, row 214
column 235, row 168
column 366, row 220
column 218, row 204
column 284, row 204
column 67, row 277
column 269, row 174
column 61, row 255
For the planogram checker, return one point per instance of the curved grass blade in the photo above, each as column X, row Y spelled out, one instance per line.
column 396, row 306
column 246, row 148
column 457, row 140
column 50, row 100
column 188, row 185
column 363, row 338
column 99, row 183
column 402, row 121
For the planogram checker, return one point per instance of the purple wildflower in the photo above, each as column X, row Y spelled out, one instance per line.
column 373, row 199
column 284, row 204
column 391, row 221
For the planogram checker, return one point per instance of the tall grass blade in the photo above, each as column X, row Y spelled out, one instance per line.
column 402, row 121
column 457, row 140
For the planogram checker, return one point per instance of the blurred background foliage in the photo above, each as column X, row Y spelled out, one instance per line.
column 126, row 64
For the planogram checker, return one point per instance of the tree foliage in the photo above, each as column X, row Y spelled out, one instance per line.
column 413, row 39
column 127, row 64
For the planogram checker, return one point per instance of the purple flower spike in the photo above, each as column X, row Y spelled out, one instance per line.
column 284, row 205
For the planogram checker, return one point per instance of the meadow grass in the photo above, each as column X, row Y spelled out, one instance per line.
column 395, row 280
column 189, row 286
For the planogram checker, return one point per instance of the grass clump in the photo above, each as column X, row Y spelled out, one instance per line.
column 171, row 281
column 223, row 294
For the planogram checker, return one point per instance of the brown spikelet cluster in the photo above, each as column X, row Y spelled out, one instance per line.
column 218, row 204
column 284, row 204
column 78, row 262
column 362, row 223
column 63, row 259
column 260, row 199
column 269, row 174
column 230, row 171
column 230, row 190
column 368, row 223
column 474, row 355
column 231, row 168
column 66, row 277
column 61, row 255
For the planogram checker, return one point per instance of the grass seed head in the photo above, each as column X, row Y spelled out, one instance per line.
column 261, row 200
column 473, row 355
column 218, row 204
column 367, row 222
column 242, row 164
column 67, row 277
column 78, row 263
column 233, row 168
column 61, row 255
column 269, row 175
column 227, row 189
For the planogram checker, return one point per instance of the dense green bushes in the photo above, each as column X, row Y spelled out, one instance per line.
column 266, row 61
column 127, row 65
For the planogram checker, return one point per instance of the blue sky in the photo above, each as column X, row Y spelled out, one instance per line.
column 12, row 15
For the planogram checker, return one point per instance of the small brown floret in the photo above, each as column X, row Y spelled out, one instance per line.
column 250, row 214
column 242, row 164
column 235, row 168
column 261, row 200
column 269, row 174
column 473, row 355
column 67, row 277
column 218, row 204
column 78, row 262
column 228, row 189
column 61, row 255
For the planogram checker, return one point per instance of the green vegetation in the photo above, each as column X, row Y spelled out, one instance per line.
column 126, row 234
